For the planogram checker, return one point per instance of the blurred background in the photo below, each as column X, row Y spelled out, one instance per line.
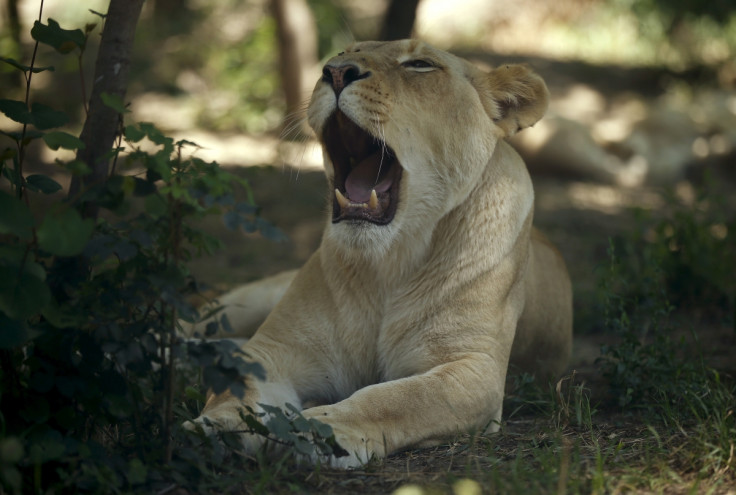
column 643, row 106
column 627, row 76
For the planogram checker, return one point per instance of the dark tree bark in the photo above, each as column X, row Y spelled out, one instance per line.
column 398, row 22
column 297, row 36
column 111, row 77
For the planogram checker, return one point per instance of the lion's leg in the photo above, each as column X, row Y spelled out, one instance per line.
column 543, row 341
column 283, row 365
column 246, row 307
column 423, row 409
column 225, row 412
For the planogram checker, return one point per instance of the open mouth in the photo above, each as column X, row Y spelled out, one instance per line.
column 367, row 173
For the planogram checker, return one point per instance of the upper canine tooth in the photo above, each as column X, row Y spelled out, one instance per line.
column 373, row 202
column 341, row 200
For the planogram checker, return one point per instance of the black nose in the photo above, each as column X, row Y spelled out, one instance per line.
column 340, row 76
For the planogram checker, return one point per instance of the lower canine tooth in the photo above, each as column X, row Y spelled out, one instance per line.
column 341, row 200
column 373, row 202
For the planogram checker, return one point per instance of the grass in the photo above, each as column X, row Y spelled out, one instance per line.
column 527, row 456
column 554, row 440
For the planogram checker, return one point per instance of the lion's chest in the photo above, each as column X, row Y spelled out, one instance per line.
column 387, row 341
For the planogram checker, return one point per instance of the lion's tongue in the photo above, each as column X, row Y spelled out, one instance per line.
column 366, row 176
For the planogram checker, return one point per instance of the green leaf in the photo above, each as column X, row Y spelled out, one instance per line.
column 14, row 333
column 15, row 217
column 15, row 110
column 77, row 167
column 12, row 175
column 26, row 137
column 45, row 117
column 301, row 424
column 24, row 68
column 192, row 393
column 184, row 142
column 322, row 429
column 133, row 133
column 137, row 472
column 270, row 231
column 115, row 102
column 64, row 232
column 46, row 446
column 303, row 446
column 11, row 450
column 62, row 316
column 12, row 477
column 255, row 425
column 60, row 139
column 143, row 187
column 40, row 115
column 43, row 183
column 8, row 154
column 63, row 40
column 154, row 134
column 155, row 205
column 280, row 427
column 23, row 292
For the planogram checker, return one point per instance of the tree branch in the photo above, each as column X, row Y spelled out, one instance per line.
column 111, row 77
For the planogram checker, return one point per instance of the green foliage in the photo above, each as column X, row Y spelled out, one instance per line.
column 678, row 34
column 288, row 431
column 674, row 10
column 40, row 116
column 646, row 367
column 333, row 32
column 251, row 64
column 92, row 380
column 62, row 40
column 565, row 403
column 683, row 260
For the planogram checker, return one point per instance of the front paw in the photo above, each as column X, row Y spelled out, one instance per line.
column 359, row 447
column 214, row 426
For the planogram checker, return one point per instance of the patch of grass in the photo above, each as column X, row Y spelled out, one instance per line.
column 658, row 369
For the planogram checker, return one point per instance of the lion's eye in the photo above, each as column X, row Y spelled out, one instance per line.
column 419, row 65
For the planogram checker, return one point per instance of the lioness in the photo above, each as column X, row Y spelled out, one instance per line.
column 398, row 331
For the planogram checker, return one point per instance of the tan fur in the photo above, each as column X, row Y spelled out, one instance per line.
column 404, row 331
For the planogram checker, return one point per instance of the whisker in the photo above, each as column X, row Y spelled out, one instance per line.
column 382, row 138
column 301, row 160
column 295, row 121
column 345, row 30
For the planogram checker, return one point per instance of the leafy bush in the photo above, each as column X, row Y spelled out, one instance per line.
column 683, row 260
column 92, row 385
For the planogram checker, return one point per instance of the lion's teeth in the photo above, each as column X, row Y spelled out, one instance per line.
column 341, row 200
column 373, row 202
column 345, row 202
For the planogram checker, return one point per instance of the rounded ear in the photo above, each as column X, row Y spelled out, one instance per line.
column 514, row 97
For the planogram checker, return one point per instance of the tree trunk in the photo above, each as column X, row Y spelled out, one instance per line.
column 111, row 77
column 297, row 37
column 398, row 22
